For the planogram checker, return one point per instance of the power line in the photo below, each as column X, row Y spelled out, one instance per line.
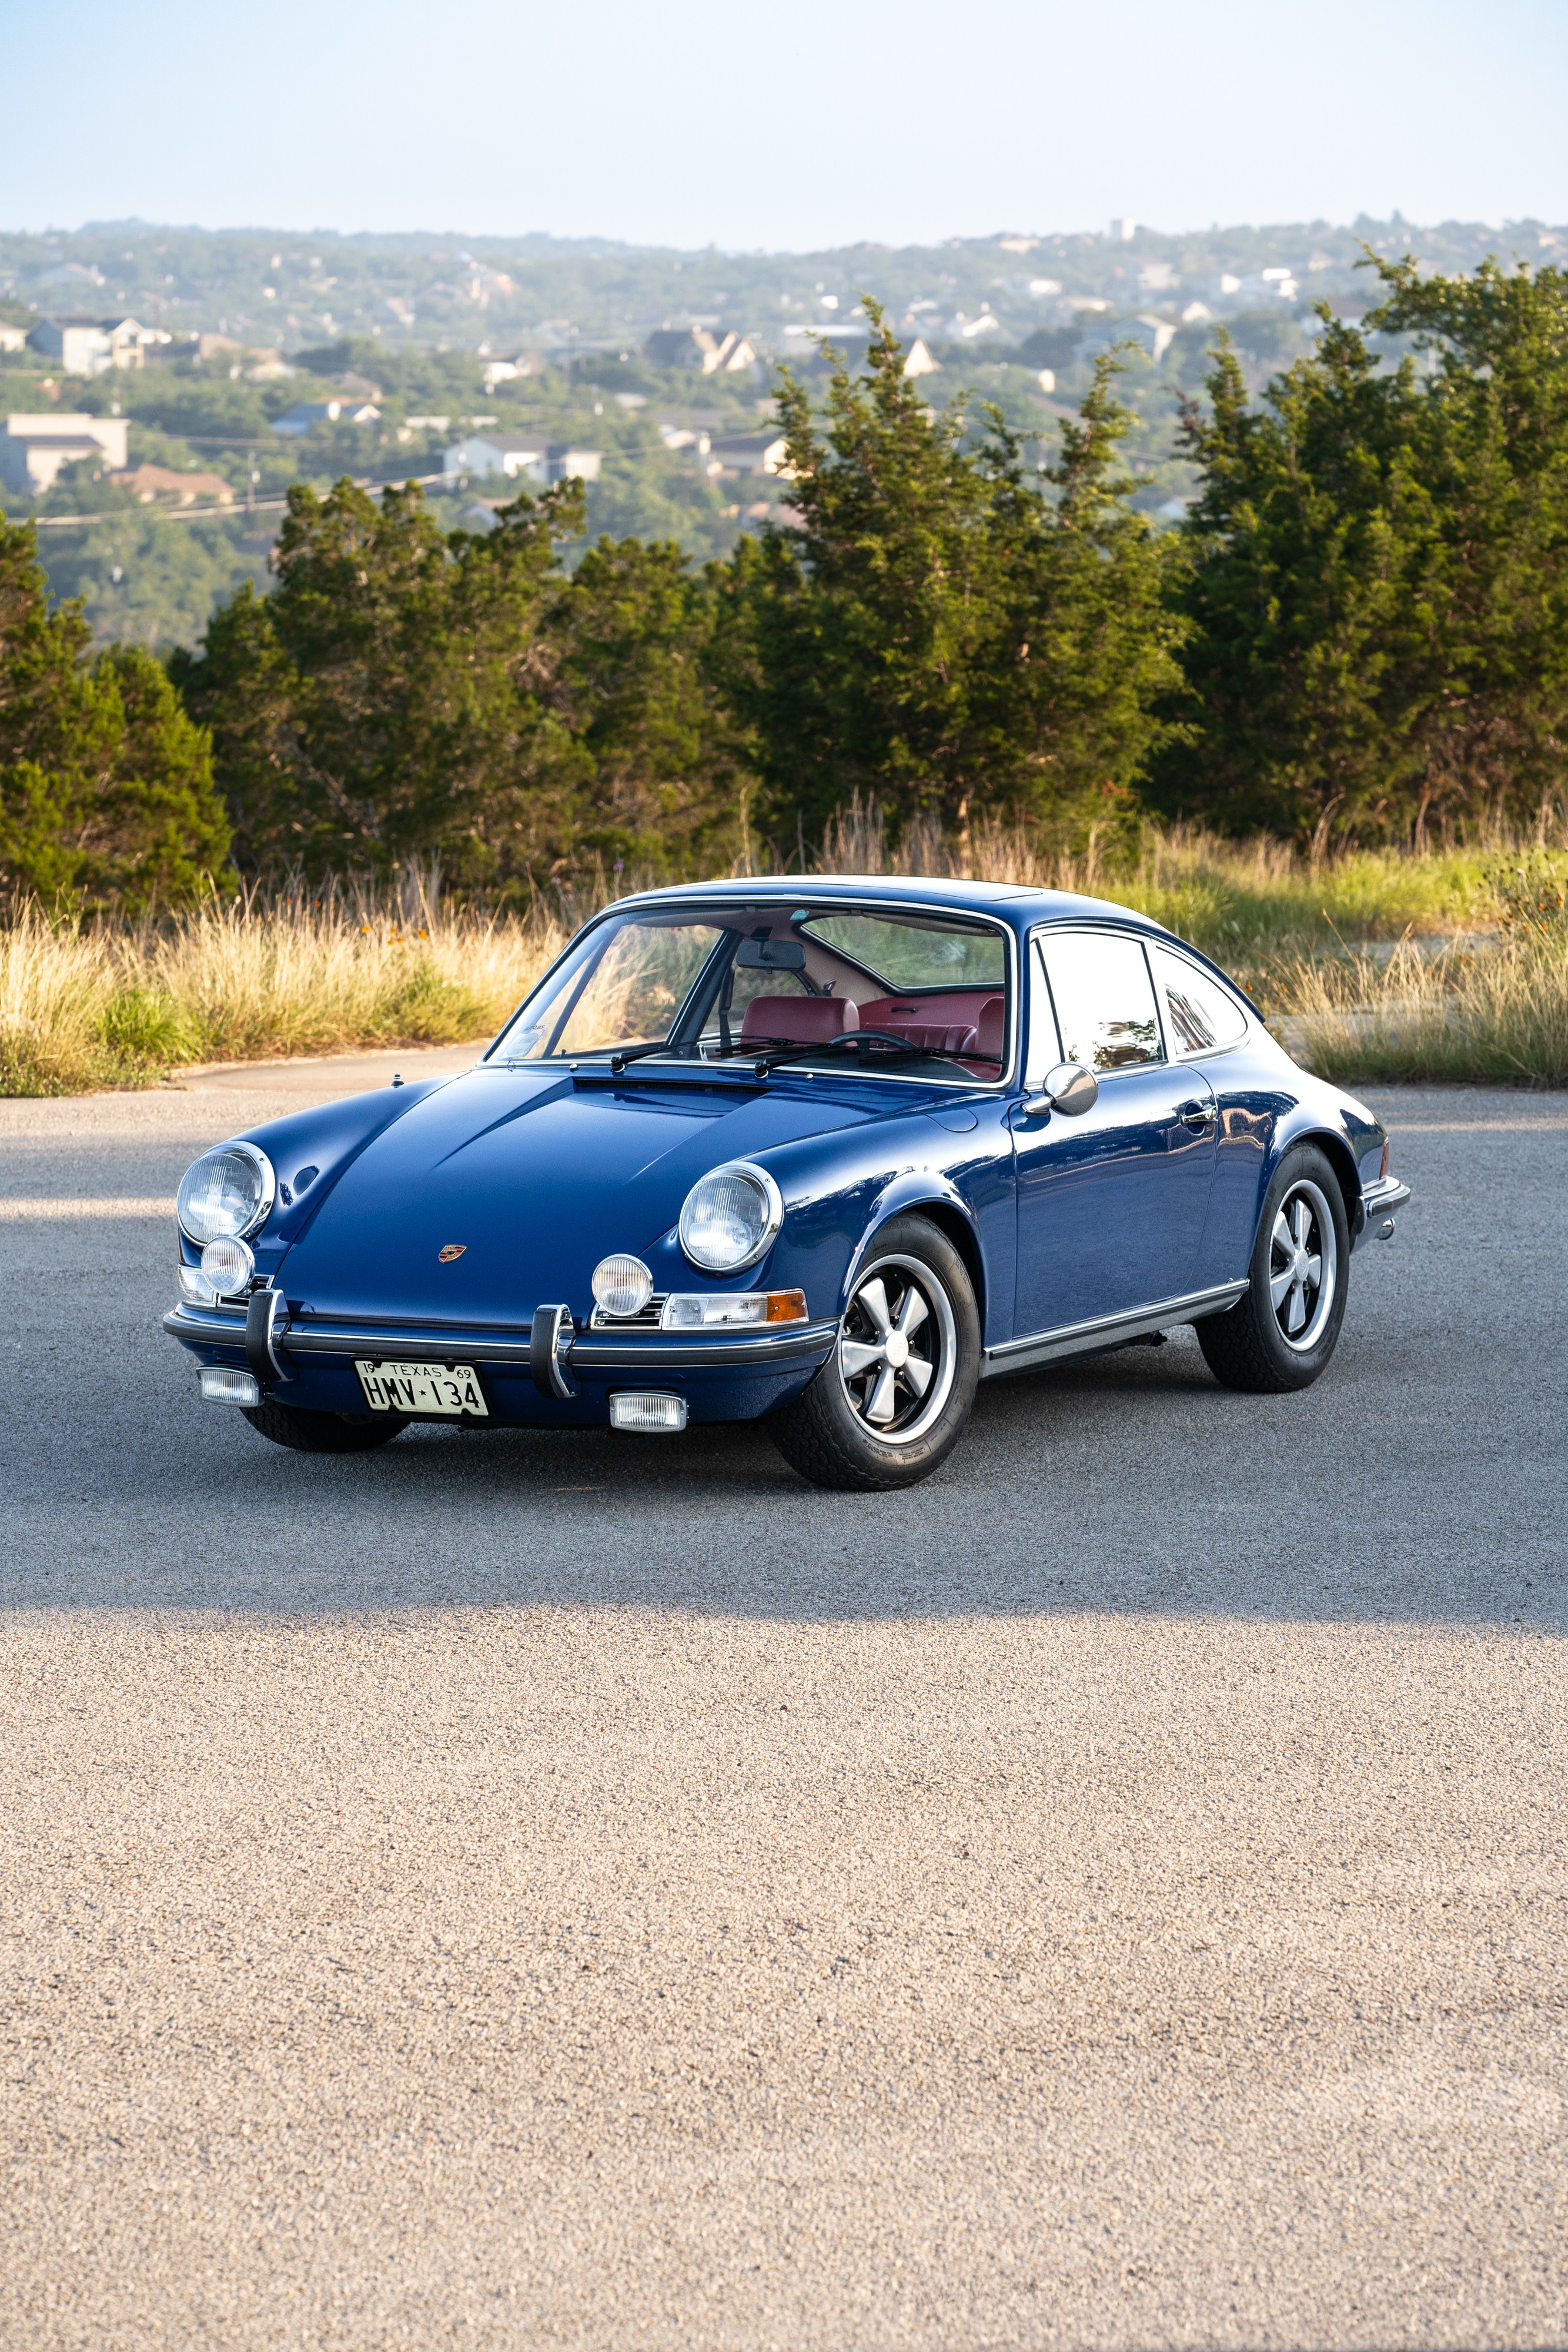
column 194, row 513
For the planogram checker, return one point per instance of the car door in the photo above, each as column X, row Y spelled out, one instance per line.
column 1205, row 1028
column 1111, row 1204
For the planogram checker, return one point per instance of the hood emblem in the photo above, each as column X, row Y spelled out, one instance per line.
column 451, row 1250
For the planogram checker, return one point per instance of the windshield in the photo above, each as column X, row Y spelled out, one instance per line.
column 805, row 983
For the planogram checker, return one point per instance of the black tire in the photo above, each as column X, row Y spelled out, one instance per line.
column 826, row 1435
column 322, row 1433
column 1249, row 1348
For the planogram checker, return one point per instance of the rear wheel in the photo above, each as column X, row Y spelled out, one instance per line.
column 1282, row 1333
column 322, row 1433
column 891, row 1399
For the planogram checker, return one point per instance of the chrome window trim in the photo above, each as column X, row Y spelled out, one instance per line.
column 1070, row 927
column 1004, row 1082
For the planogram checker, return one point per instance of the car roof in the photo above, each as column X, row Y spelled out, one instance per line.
column 1011, row 902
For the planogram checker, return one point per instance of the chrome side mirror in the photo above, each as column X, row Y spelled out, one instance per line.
column 1069, row 1088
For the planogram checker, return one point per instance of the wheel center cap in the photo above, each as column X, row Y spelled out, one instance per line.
column 896, row 1350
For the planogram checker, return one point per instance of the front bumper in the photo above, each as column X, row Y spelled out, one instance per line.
column 723, row 1375
column 1379, row 1200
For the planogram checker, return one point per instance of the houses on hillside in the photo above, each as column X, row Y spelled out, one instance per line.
column 34, row 448
column 90, row 346
column 714, row 350
column 162, row 485
column 344, row 410
column 521, row 456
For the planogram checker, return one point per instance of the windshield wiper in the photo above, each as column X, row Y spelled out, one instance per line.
column 619, row 1059
column 856, row 1037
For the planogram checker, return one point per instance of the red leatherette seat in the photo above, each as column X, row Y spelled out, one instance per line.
column 797, row 1020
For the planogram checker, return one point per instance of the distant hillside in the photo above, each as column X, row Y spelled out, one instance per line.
column 551, row 294
column 546, row 338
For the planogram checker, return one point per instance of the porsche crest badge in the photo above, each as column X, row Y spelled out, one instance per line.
column 451, row 1250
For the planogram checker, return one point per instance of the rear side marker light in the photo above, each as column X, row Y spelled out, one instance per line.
column 647, row 1413
column 221, row 1386
column 708, row 1310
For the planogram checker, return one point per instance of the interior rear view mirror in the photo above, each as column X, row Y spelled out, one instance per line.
column 770, row 955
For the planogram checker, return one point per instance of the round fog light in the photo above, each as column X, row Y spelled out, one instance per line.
column 621, row 1285
column 228, row 1265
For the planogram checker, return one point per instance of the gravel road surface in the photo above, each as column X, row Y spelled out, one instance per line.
column 593, row 1892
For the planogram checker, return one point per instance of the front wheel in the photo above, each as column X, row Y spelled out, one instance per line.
column 1281, row 1334
column 891, row 1399
column 322, row 1433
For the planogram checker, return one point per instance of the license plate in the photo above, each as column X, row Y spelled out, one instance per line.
column 422, row 1388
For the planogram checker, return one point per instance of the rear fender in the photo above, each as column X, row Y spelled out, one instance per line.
column 1340, row 1158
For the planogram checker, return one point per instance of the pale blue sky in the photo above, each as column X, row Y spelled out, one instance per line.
column 818, row 124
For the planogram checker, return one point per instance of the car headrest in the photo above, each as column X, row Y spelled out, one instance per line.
column 798, row 1020
column 991, row 1028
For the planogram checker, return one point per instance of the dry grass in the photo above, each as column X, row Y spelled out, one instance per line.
column 1495, row 1018
column 1476, row 986
column 102, row 1008
column 1245, row 903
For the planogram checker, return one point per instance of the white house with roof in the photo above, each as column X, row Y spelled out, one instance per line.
column 306, row 412
column 33, row 449
column 511, row 454
column 84, row 346
column 720, row 351
column 749, row 453
column 521, row 455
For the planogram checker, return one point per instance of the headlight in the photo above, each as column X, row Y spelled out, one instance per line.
column 225, row 1194
column 730, row 1218
column 621, row 1285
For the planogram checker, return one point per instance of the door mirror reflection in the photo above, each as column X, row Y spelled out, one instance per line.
column 1072, row 1089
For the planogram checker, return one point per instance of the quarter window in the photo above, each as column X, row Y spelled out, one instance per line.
column 1104, row 1000
column 1200, row 1014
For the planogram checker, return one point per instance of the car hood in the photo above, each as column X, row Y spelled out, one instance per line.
column 534, row 1178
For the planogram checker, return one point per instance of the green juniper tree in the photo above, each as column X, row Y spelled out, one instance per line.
column 938, row 629
column 107, row 796
column 1378, row 584
column 404, row 690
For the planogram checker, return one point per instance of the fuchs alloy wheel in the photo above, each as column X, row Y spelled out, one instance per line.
column 322, row 1433
column 1282, row 1334
column 891, row 1399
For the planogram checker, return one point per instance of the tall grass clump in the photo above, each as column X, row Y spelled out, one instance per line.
column 1497, row 1015
column 250, row 981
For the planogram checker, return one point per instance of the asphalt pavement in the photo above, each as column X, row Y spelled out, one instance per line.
column 589, row 1891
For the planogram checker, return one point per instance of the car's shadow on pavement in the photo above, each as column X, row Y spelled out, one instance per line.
column 1129, row 1482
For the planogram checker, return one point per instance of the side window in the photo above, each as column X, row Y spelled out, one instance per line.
column 1105, row 1002
column 1199, row 1014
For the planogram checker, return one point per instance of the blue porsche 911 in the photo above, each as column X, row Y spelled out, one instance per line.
column 825, row 1152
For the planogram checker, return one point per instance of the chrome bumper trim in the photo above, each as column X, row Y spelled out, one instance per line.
column 1383, row 1193
column 1106, row 1330
column 592, row 1353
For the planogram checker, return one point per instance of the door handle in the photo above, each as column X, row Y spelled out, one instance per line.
column 1196, row 1115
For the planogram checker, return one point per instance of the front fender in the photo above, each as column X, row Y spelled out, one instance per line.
column 928, row 1190
column 328, row 1136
